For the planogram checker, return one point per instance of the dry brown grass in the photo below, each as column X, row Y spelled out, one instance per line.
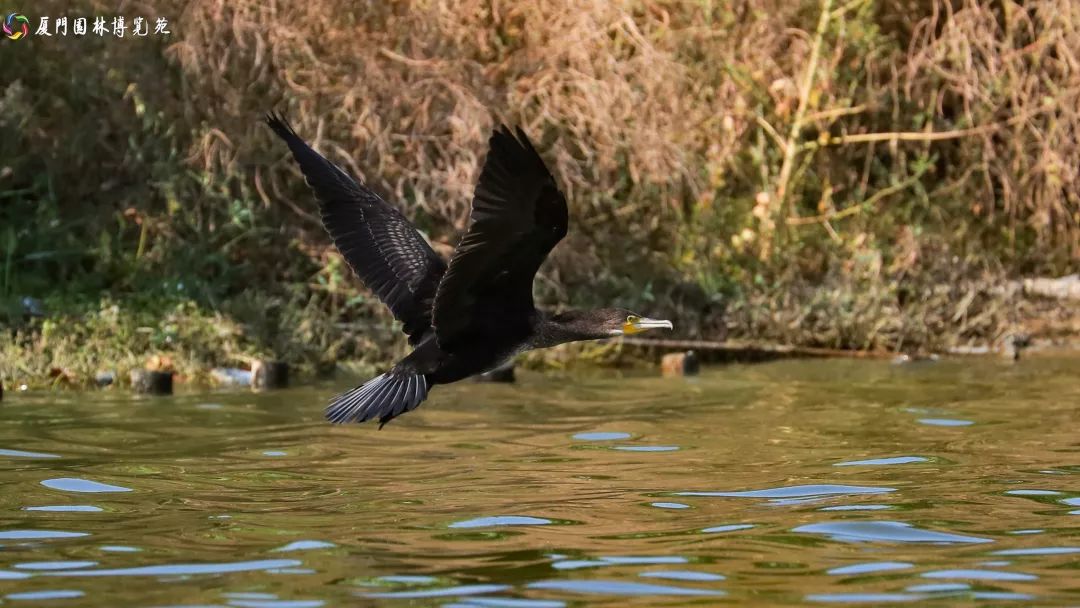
column 648, row 108
column 1016, row 65
column 407, row 95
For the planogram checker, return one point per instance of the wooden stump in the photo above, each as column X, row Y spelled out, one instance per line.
column 503, row 373
column 1013, row 345
column 152, row 382
column 105, row 378
column 267, row 375
column 680, row 364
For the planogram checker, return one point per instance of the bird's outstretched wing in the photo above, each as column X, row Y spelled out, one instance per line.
column 380, row 245
column 518, row 215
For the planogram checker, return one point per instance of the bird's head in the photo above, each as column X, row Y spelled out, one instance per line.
column 608, row 322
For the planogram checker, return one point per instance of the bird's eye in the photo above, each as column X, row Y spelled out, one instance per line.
column 632, row 319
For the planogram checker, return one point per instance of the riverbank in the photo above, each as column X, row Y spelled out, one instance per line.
column 59, row 342
column 858, row 177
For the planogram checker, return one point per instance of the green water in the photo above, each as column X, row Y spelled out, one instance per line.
column 803, row 482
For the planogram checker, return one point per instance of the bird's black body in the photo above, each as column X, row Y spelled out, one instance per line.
column 470, row 315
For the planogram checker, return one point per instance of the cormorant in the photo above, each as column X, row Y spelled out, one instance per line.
column 475, row 313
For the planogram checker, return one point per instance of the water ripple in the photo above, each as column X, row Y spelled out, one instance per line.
column 275, row 603
column 66, row 508
column 618, row 560
column 882, row 461
column 683, row 575
column 54, row 565
column 24, row 454
column 618, row 588
column 601, row 436
column 787, row 495
column 1039, row 551
column 56, row 594
column 38, row 534
column 1001, row 595
column 727, row 528
column 856, row 508
column 305, row 545
column 505, row 602
column 981, row 575
column 864, row 598
column 870, row 567
column 938, row 587
column 945, row 422
column 119, row 549
column 885, row 531
column 74, row 484
column 409, row 579
column 185, row 569
column 440, row 592
column 501, row 520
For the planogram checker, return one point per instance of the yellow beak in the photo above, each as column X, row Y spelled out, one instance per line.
column 641, row 325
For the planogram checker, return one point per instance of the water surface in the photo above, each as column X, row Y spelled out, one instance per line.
column 802, row 482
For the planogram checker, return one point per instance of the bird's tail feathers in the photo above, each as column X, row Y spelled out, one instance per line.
column 384, row 397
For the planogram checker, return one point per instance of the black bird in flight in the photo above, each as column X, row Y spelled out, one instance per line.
column 474, row 314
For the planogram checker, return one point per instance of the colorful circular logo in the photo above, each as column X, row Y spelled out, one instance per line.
column 16, row 26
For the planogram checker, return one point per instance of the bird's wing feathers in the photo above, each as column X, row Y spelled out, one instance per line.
column 382, row 247
column 518, row 216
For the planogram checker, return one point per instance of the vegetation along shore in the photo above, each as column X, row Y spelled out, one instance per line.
column 894, row 176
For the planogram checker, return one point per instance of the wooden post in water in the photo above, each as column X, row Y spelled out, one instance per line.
column 267, row 375
column 150, row 382
column 680, row 364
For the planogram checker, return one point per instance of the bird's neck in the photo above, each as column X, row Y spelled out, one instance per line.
column 552, row 331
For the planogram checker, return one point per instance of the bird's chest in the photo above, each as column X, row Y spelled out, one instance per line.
column 483, row 352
